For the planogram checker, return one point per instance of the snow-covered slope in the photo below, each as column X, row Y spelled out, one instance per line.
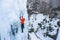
column 40, row 26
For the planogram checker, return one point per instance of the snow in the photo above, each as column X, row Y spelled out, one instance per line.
column 58, row 35
column 33, row 37
column 40, row 32
column 10, row 12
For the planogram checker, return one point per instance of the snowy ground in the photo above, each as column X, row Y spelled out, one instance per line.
column 40, row 32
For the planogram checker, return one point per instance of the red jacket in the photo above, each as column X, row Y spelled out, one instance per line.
column 22, row 20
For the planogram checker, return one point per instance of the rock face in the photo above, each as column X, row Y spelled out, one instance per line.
column 55, row 3
column 46, row 7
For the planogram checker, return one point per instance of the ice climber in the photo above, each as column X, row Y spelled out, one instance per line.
column 22, row 20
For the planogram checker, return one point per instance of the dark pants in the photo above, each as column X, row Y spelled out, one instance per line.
column 22, row 27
